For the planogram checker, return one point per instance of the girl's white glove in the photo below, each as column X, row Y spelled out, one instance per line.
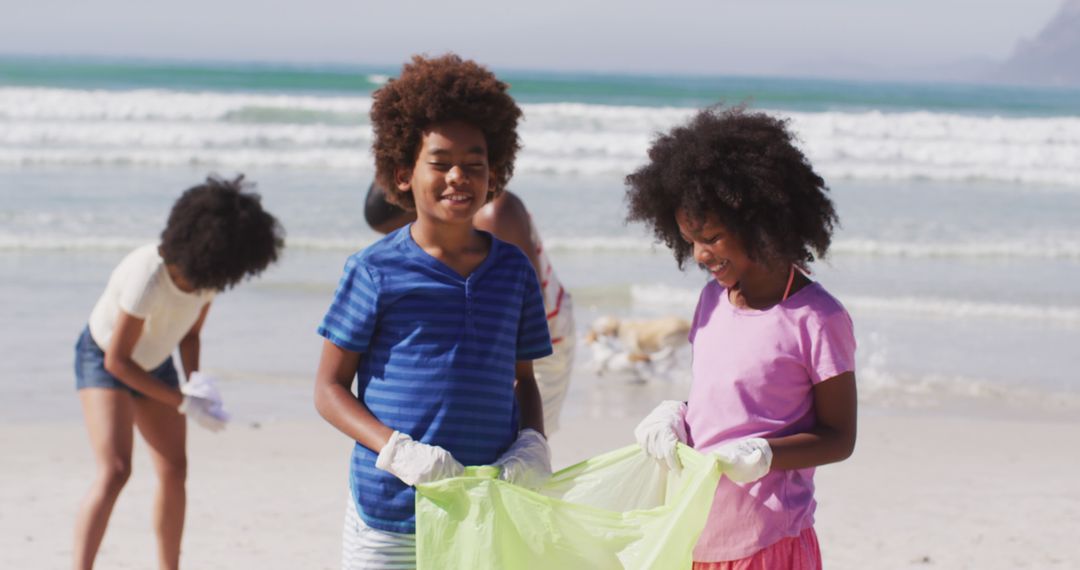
column 202, row 402
column 414, row 462
column 661, row 430
column 528, row 461
column 745, row 460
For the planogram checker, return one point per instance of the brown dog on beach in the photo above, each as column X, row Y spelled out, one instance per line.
column 641, row 338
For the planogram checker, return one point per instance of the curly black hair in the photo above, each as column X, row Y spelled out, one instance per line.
column 218, row 234
column 743, row 168
column 436, row 90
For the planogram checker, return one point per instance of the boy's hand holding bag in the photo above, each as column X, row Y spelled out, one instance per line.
column 414, row 462
column 528, row 461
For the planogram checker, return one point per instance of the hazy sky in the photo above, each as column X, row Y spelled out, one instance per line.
column 832, row 37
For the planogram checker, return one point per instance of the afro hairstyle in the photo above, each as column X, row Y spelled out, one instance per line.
column 437, row 90
column 743, row 169
column 218, row 234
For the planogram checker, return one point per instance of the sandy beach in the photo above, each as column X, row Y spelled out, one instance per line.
column 922, row 491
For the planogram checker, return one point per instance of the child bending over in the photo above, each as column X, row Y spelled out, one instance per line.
column 155, row 302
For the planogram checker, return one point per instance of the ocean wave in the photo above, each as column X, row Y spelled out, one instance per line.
column 882, row 386
column 160, row 127
column 585, row 244
column 1024, row 247
column 685, row 300
column 44, row 104
column 91, row 137
column 55, row 242
column 66, row 243
column 963, row 309
column 25, row 232
column 677, row 298
column 1030, row 247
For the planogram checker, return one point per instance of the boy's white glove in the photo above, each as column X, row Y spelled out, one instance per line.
column 745, row 460
column 414, row 462
column 528, row 461
column 664, row 427
column 202, row 402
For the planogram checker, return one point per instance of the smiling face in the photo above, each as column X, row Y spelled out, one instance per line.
column 450, row 180
column 716, row 250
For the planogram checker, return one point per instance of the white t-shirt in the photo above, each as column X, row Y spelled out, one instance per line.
column 141, row 287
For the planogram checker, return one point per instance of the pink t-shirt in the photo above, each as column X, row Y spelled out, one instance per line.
column 753, row 375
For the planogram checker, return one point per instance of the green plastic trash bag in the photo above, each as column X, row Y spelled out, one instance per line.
column 620, row 510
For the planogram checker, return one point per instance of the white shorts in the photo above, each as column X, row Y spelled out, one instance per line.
column 366, row 548
column 553, row 372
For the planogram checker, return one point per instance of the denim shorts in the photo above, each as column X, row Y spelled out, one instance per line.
column 90, row 368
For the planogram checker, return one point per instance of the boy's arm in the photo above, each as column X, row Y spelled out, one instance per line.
column 335, row 401
column 119, row 363
column 528, row 396
column 190, row 345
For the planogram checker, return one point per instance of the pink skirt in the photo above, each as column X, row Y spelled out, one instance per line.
column 792, row 553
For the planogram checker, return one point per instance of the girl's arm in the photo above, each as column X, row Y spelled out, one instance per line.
column 190, row 345
column 528, row 396
column 833, row 439
column 119, row 363
column 335, row 401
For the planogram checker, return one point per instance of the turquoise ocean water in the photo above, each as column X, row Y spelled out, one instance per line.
column 958, row 255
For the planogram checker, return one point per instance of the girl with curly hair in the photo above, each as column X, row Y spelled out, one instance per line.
column 773, row 389
column 155, row 302
column 438, row 322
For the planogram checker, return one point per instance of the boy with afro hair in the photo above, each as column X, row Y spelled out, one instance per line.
column 438, row 322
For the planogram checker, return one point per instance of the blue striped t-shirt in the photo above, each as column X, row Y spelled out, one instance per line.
column 439, row 352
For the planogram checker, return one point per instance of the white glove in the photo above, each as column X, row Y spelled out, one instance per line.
column 414, row 462
column 745, row 460
column 664, row 427
column 205, row 413
column 202, row 402
column 528, row 461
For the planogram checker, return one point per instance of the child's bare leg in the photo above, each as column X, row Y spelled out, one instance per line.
column 165, row 432
column 109, row 416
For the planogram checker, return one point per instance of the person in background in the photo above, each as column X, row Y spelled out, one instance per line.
column 155, row 302
column 507, row 219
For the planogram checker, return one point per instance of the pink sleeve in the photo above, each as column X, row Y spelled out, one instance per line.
column 832, row 347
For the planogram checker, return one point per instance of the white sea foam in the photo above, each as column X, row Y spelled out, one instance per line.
column 685, row 300
column 53, row 241
column 65, row 126
column 676, row 299
column 73, row 230
column 884, row 387
column 67, row 243
column 1035, row 246
column 1039, row 247
column 962, row 309
column 44, row 104
column 600, row 244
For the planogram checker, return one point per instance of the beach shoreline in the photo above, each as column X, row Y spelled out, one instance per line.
column 922, row 489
